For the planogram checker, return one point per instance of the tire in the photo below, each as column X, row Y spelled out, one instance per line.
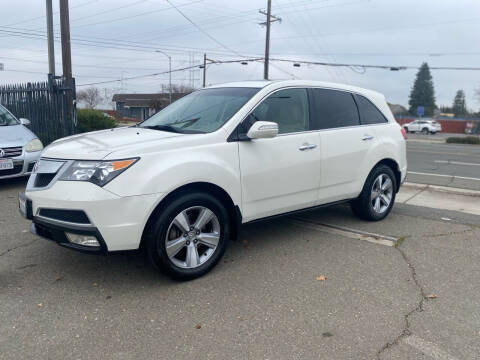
column 363, row 206
column 425, row 131
column 188, row 255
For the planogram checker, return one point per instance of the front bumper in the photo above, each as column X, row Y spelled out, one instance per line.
column 22, row 165
column 57, row 233
column 116, row 222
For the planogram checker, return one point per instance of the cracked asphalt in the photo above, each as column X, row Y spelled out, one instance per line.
column 419, row 300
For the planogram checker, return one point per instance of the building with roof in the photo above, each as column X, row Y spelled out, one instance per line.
column 142, row 106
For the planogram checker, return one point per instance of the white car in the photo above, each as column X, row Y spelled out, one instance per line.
column 181, row 183
column 424, row 126
column 19, row 147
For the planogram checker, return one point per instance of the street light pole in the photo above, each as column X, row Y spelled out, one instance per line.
column 169, row 73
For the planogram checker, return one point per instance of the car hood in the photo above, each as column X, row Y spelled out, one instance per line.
column 15, row 135
column 99, row 144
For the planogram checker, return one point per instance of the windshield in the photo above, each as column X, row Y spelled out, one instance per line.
column 7, row 119
column 202, row 111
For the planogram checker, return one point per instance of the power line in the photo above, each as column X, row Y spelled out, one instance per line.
column 142, row 76
column 201, row 30
column 56, row 12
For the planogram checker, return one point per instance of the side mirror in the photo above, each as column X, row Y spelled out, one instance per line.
column 263, row 130
column 24, row 121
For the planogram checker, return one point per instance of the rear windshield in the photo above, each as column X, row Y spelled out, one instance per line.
column 7, row 119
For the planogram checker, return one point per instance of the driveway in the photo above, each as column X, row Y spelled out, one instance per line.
column 287, row 289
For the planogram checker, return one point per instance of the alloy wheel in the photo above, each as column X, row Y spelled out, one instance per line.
column 192, row 237
column 381, row 194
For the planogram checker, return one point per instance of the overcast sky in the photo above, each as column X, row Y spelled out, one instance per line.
column 114, row 39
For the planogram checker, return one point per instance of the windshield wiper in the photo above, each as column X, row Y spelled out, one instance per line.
column 168, row 128
column 173, row 129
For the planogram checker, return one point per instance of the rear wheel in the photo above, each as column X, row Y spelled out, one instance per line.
column 189, row 236
column 378, row 195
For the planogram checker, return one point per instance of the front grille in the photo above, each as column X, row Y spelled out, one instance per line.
column 73, row 216
column 30, row 166
column 42, row 180
column 11, row 152
column 17, row 169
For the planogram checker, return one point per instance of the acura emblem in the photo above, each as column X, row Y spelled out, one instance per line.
column 2, row 153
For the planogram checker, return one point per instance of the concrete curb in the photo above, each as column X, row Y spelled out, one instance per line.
column 436, row 141
column 442, row 189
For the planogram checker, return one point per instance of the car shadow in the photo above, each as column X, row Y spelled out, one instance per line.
column 11, row 183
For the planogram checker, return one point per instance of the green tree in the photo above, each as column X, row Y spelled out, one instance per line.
column 91, row 120
column 422, row 93
column 459, row 106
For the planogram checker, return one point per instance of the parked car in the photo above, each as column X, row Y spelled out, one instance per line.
column 424, row 126
column 19, row 147
column 181, row 183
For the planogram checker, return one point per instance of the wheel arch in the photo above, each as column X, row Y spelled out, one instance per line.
column 392, row 164
column 207, row 187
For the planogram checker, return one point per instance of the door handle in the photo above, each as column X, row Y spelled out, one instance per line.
column 307, row 146
column 367, row 137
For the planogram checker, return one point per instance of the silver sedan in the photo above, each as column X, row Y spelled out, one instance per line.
column 19, row 147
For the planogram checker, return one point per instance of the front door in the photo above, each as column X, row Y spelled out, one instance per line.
column 280, row 174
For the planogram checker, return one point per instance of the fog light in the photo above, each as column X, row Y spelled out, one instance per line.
column 85, row 240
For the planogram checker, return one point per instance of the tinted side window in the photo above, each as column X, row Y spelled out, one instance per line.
column 369, row 114
column 333, row 109
column 288, row 108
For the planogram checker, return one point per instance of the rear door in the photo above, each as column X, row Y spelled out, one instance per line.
column 345, row 143
column 280, row 174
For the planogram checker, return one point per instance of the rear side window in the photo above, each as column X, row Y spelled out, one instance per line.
column 369, row 113
column 333, row 109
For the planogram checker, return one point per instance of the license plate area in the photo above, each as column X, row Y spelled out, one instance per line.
column 6, row 164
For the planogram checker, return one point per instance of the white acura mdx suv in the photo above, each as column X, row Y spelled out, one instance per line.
column 181, row 183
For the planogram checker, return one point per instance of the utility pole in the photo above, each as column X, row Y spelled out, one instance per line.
column 51, row 48
column 65, row 34
column 67, row 69
column 267, row 23
column 204, row 70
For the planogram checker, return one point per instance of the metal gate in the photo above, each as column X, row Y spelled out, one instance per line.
column 50, row 106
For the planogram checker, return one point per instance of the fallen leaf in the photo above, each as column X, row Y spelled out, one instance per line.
column 321, row 278
column 59, row 278
column 94, row 284
column 432, row 296
column 40, row 305
column 198, row 326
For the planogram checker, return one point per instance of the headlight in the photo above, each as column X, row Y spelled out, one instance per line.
column 34, row 145
column 97, row 172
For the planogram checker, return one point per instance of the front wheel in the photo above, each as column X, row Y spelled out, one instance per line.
column 425, row 131
column 378, row 195
column 189, row 236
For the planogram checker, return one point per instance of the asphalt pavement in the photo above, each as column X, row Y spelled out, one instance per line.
column 286, row 289
column 432, row 161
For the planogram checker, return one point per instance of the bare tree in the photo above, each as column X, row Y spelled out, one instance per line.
column 178, row 89
column 90, row 96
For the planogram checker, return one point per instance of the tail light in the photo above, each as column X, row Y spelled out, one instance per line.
column 404, row 133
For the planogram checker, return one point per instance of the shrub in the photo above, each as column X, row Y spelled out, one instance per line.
column 464, row 140
column 91, row 120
